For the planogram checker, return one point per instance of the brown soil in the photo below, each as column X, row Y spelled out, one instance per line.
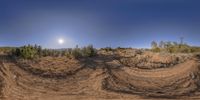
column 101, row 77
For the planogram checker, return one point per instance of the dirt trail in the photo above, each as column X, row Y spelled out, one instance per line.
column 99, row 78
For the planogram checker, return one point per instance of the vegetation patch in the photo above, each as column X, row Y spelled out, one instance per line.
column 31, row 52
column 173, row 47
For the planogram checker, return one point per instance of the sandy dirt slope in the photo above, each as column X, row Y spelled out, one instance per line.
column 102, row 77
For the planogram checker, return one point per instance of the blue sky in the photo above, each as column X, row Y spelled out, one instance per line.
column 125, row 23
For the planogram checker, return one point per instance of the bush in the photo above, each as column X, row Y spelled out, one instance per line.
column 6, row 50
column 88, row 51
column 26, row 52
column 76, row 53
column 156, row 49
column 107, row 49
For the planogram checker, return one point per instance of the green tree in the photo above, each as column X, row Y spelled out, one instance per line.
column 161, row 44
column 154, row 44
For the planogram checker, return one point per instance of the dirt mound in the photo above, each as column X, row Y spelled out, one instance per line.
column 149, row 60
column 48, row 67
column 170, row 82
column 101, row 77
column 1, row 83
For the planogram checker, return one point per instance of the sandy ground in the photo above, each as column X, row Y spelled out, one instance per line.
column 99, row 78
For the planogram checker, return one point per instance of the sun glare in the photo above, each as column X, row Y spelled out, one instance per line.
column 60, row 41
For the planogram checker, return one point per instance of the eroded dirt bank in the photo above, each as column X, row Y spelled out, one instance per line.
column 107, row 76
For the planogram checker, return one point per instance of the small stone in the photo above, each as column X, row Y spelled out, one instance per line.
column 192, row 75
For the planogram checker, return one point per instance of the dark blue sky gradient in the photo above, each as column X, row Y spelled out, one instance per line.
column 125, row 23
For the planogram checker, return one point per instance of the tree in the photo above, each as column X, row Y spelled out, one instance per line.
column 161, row 44
column 155, row 47
column 154, row 44
column 181, row 40
column 175, row 43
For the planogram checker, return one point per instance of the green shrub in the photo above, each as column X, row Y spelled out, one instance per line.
column 76, row 53
column 26, row 52
column 156, row 49
column 107, row 49
column 88, row 51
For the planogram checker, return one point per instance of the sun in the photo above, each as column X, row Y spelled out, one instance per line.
column 60, row 41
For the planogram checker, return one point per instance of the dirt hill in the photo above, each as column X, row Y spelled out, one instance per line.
column 121, row 74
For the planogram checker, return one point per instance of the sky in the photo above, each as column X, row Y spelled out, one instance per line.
column 103, row 23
